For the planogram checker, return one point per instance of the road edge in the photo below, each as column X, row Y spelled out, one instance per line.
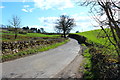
column 66, row 72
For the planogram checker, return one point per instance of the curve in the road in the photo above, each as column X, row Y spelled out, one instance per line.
column 42, row 65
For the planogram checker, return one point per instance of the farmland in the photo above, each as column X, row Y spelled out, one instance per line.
column 9, row 36
column 26, row 44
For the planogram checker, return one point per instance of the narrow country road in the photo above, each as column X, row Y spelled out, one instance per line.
column 42, row 65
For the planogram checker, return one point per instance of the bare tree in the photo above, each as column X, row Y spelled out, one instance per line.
column 16, row 23
column 110, row 9
column 64, row 24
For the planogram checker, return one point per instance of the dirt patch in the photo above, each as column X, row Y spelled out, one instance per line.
column 73, row 69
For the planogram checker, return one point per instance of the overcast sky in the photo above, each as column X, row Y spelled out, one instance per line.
column 43, row 13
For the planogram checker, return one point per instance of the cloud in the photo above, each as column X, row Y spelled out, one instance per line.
column 34, row 26
column 2, row 6
column 84, row 26
column 25, row 6
column 79, row 17
column 49, row 4
column 24, row 10
column 54, row 4
column 47, row 19
column 25, row 1
column 48, row 23
column 83, row 23
column 28, row 10
column 46, row 28
column 31, row 9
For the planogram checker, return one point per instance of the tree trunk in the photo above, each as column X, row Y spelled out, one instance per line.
column 64, row 34
column 15, row 33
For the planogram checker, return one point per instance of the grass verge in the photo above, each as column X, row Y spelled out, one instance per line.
column 31, row 51
column 87, row 65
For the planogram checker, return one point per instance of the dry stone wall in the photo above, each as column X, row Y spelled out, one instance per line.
column 13, row 47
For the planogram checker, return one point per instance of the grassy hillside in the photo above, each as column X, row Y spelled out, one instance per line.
column 94, row 36
column 100, row 57
column 97, row 37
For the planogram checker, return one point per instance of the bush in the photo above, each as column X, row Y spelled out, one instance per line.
column 22, row 32
column 99, row 65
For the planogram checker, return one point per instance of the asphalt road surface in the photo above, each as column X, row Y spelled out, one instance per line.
column 42, row 65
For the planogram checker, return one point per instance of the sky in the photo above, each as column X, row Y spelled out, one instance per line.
column 44, row 13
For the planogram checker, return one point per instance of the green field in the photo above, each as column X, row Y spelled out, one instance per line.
column 95, row 37
column 9, row 36
column 31, row 35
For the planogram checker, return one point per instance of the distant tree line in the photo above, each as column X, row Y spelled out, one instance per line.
column 35, row 30
column 27, row 29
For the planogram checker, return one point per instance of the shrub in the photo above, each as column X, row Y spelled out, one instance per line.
column 22, row 32
column 99, row 65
